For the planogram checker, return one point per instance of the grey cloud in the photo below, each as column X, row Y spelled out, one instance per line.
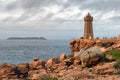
column 33, row 7
column 48, row 16
column 115, row 21
column 8, row 19
column 116, row 18
column 72, row 3
column 83, row 4
column 11, row 6
column 32, row 4
column 102, row 5
column 23, row 17
column 27, row 4
column 63, row 21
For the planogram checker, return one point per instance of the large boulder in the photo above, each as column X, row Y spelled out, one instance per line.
column 67, row 62
column 7, row 69
column 89, row 56
column 78, row 44
column 32, row 72
column 89, row 43
column 7, row 65
column 51, row 62
column 37, row 64
column 23, row 68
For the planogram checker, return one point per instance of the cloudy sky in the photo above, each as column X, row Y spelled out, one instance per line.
column 58, row 19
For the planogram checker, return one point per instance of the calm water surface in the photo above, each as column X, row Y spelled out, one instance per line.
column 23, row 51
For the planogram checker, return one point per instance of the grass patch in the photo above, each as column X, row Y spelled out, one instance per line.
column 116, row 55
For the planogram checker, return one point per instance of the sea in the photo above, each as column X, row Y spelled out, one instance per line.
column 24, row 51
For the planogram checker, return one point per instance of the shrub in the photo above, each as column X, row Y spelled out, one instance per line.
column 116, row 55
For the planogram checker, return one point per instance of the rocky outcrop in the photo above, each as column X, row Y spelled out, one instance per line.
column 62, row 57
column 37, row 74
column 51, row 62
column 78, row 44
column 37, row 64
column 84, row 65
column 40, row 76
column 89, row 56
column 23, row 68
column 8, row 70
column 65, row 70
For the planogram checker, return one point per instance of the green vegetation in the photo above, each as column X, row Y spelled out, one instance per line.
column 116, row 55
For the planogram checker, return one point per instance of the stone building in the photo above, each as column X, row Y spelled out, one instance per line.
column 88, row 28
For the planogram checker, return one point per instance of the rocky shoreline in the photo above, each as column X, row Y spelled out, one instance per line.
column 63, row 68
column 86, row 62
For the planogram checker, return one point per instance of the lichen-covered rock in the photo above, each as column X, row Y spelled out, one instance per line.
column 89, row 56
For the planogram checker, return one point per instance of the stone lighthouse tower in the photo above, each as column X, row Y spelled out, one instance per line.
column 88, row 28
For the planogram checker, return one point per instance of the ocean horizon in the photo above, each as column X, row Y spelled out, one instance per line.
column 23, row 51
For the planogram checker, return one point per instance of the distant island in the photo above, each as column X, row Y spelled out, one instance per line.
column 26, row 38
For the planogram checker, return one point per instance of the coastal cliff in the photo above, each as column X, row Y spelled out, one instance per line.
column 62, row 68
